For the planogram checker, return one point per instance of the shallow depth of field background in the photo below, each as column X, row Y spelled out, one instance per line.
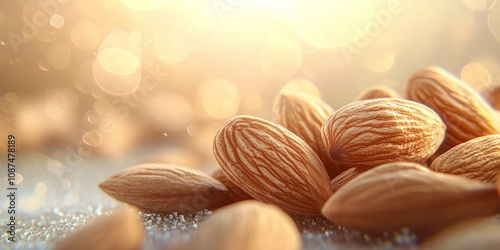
column 92, row 85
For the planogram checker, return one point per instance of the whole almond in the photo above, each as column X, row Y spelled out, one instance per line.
column 346, row 176
column 476, row 159
column 304, row 115
column 120, row 230
column 272, row 164
column 402, row 194
column 368, row 133
column 478, row 234
column 247, row 225
column 165, row 188
column 377, row 91
column 466, row 114
column 235, row 193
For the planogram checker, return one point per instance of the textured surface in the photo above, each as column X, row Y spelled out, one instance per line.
column 402, row 194
column 272, row 164
column 346, row 176
column 476, row 159
column 165, row 188
column 368, row 133
column 466, row 114
column 247, row 225
column 235, row 193
column 304, row 115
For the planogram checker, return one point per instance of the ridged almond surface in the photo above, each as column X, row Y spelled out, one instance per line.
column 235, row 193
column 377, row 91
column 466, row 114
column 402, row 194
column 247, row 225
column 304, row 115
column 165, row 188
column 368, row 133
column 476, row 159
column 120, row 230
column 272, row 164
column 346, row 176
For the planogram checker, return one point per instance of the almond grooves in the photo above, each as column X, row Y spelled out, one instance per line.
column 466, row 114
column 304, row 115
column 272, row 164
column 377, row 91
column 368, row 133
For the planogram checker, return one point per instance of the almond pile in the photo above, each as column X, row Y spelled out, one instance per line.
column 424, row 161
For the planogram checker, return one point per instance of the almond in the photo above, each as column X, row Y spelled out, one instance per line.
column 492, row 95
column 466, row 114
column 346, row 176
column 120, row 230
column 165, row 188
column 272, row 164
column 497, row 182
column 476, row 234
column 377, row 91
column 304, row 115
column 235, row 193
column 403, row 194
column 476, row 159
column 247, row 225
column 368, row 133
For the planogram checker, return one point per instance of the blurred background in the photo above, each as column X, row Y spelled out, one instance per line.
column 92, row 86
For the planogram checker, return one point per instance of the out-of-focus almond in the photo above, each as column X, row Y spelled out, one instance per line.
column 402, row 194
column 120, row 230
column 304, row 115
column 377, row 91
column 165, row 188
column 492, row 95
column 477, row 234
column 346, row 176
column 368, row 133
column 272, row 164
column 235, row 193
column 247, row 225
column 466, row 114
column 476, row 159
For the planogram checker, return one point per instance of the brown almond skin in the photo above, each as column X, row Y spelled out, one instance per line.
column 235, row 193
column 163, row 188
column 272, row 164
column 120, row 230
column 368, row 133
column 346, row 176
column 475, row 159
column 466, row 114
column 304, row 115
column 377, row 91
column 247, row 225
column 478, row 234
column 403, row 194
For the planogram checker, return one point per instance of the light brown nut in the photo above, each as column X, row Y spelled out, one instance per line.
column 304, row 115
column 272, row 164
column 120, row 230
column 165, row 188
column 492, row 95
column 403, row 194
column 477, row 234
column 235, row 193
column 247, row 225
column 466, row 114
column 377, row 91
column 476, row 159
column 497, row 182
column 368, row 133
column 346, row 176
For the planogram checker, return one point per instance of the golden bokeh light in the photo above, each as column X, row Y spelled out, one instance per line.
column 172, row 110
column 143, row 5
column 281, row 57
column 220, row 98
column 494, row 21
column 170, row 48
column 476, row 75
column 379, row 60
column 118, row 61
column 57, row 21
column 58, row 56
column 116, row 84
column 479, row 5
column 86, row 35
column 301, row 85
